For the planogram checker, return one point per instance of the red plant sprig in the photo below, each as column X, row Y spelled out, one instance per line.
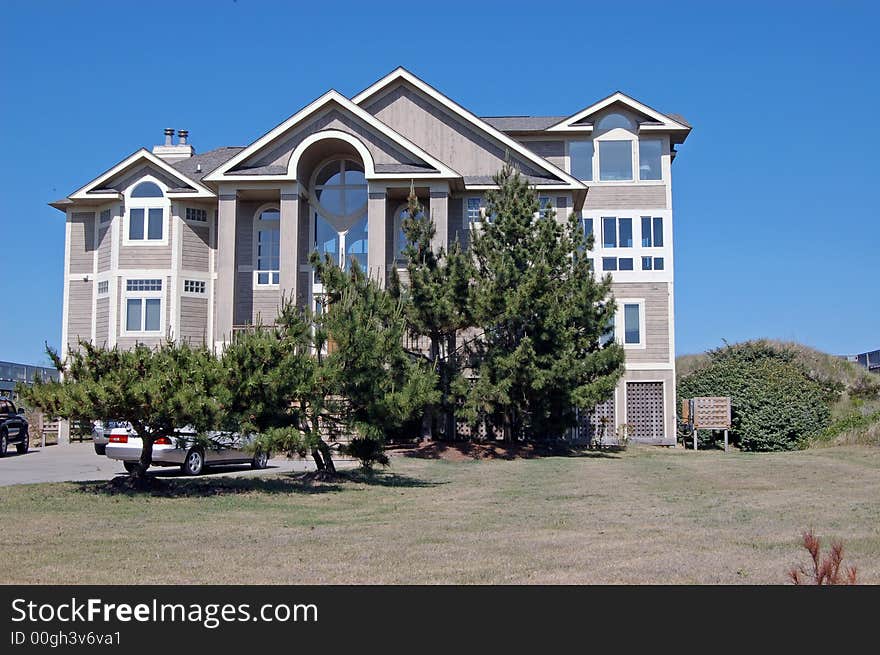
column 825, row 570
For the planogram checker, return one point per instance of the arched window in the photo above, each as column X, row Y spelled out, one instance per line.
column 339, row 204
column 267, row 242
column 146, row 215
column 614, row 120
column 147, row 190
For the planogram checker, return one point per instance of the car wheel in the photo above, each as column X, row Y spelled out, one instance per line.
column 261, row 460
column 194, row 462
column 133, row 467
column 101, row 449
column 22, row 447
column 4, row 442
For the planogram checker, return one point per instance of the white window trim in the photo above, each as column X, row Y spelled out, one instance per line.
column 146, row 204
column 617, row 134
column 593, row 159
column 126, row 295
column 256, row 229
column 98, row 292
column 652, row 249
column 203, row 223
column 619, row 320
column 639, row 157
column 194, row 294
column 626, row 249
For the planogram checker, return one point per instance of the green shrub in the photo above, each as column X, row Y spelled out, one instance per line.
column 369, row 451
column 776, row 405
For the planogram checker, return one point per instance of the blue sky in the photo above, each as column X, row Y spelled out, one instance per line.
column 776, row 233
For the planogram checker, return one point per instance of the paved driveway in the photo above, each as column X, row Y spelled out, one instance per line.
column 78, row 461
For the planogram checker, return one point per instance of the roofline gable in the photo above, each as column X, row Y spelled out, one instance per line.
column 83, row 193
column 220, row 173
column 567, row 125
column 401, row 73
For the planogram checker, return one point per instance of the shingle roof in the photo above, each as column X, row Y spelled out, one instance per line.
column 487, row 179
column 259, row 170
column 403, row 168
column 208, row 161
column 522, row 123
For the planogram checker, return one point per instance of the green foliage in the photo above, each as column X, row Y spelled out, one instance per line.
column 437, row 304
column 542, row 314
column 368, row 451
column 159, row 390
column 776, row 405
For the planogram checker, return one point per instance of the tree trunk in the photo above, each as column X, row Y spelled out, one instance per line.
column 146, row 458
column 329, row 466
column 428, row 428
column 319, row 463
column 449, row 367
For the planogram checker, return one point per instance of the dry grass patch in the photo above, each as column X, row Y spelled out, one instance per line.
column 646, row 515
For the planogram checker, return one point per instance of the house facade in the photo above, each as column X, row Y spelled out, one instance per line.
column 194, row 246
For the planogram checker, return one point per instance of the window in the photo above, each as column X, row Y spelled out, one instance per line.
column 632, row 324
column 608, row 335
column 146, row 214
column 581, row 156
column 615, row 120
column 105, row 217
column 617, row 263
column 268, row 247
column 143, row 307
column 473, row 210
column 617, row 232
column 587, row 226
column 198, row 215
column 400, row 237
column 143, row 285
column 652, row 263
column 194, row 286
column 544, row 206
column 615, row 161
column 650, row 151
column 339, row 202
column 103, row 287
column 652, row 232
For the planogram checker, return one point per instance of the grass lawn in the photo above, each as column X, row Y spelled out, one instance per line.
column 648, row 515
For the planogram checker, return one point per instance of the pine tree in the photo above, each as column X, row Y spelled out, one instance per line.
column 158, row 390
column 437, row 304
column 543, row 315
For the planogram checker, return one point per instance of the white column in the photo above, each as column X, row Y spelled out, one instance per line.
column 376, row 233
column 440, row 214
column 289, row 240
column 225, row 288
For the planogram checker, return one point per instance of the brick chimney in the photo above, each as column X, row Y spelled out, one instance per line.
column 171, row 152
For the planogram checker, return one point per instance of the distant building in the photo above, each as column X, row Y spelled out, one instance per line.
column 11, row 374
column 869, row 360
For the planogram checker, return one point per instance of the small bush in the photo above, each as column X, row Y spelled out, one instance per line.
column 775, row 404
column 369, row 451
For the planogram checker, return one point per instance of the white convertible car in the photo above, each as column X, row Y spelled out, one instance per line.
column 182, row 450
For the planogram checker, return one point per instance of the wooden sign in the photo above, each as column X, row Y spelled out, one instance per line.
column 711, row 413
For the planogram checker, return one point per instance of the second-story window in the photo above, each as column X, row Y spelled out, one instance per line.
column 617, row 232
column 650, row 156
column 473, row 210
column 580, row 154
column 545, row 205
column 652, row 232
column 267, row 247
column 615, row 161
column 587, row 225
column 146, row 213
column 143, row 305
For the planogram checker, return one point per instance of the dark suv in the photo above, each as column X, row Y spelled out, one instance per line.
column 13, row 428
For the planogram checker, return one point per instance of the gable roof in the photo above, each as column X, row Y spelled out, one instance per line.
column 440, row 169
column 188, row 188
column 474, row 121
column 657, row 120
column 197, row 167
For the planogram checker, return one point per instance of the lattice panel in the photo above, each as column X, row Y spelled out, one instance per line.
column 644, row 409
column 712, row 412
column 598, row 423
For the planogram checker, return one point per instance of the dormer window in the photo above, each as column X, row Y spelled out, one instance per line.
column 650, row 154
column 147, row 211
column 615, row 161
column 613, row 121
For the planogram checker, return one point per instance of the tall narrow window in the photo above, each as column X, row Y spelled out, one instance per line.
column 356, row 244
column 146, row 214
column 617, row 232
column 581, row 155
column 544, row 206
column 631, row 322
column 650, row 152
column 652, row 232
column 473, row 210
column 268, row 247
column 587, row 225
column 615, row 161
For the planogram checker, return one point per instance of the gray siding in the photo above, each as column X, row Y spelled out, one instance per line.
column 102, row 321
column 626, row 196
column 447, row 137
column 552, row 151
column 656, row 295
column 193, row 319
column 82, row 242
column 265, row 305
column 79, row 311
column 105, row 247
column 196, row 247
column 146, row 256
column 382, row 151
